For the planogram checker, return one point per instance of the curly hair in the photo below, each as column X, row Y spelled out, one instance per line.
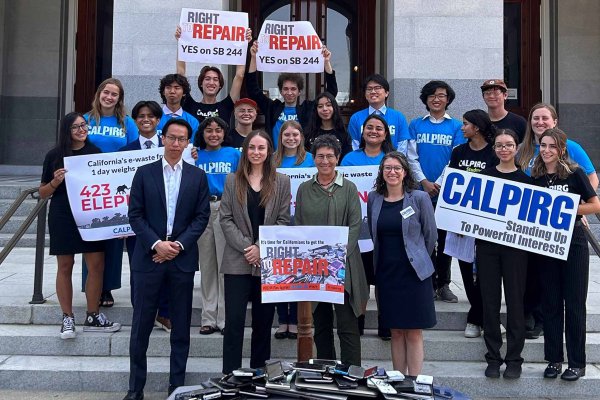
column 169, row 79
column 408, row 182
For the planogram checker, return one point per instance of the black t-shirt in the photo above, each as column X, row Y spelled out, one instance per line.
column 256, row 212
column 52, row 163
column 222, row 109
column 513, row 122
column 234, row 139
column 465, row 158
column 341, row 135
column 517, row 176
column 576, row 183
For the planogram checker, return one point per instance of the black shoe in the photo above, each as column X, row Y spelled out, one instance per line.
column 535, row 333
column 512, row 371
column 171, row 389
column 572, row 374
column 281, row 335
column 552, row 370
column 134, row 395
column 384, row 334
column 492, row 371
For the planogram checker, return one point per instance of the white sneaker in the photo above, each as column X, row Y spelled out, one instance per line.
column 472, row 331
column 67, row 331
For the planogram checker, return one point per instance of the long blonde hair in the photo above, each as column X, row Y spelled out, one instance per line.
column 527, row 148
column 242, row 175
column 565, row 165
column 120, row 112
column 280, row 152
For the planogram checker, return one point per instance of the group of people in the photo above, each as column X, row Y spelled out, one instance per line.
column 185, row 217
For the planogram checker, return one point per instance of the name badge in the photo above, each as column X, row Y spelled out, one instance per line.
column 407, row 212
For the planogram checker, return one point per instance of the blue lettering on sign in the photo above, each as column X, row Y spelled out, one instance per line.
column 534, row 206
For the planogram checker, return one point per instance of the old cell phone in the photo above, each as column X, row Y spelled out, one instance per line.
column 274, row 371
column 344, row 383
column 356, row 372
column 394, row 375
column 314, row 377
column 259, row 373
column 252, row 391
column 327, row 363
column 304, row 366
column 200, row 394
column 244, row 372
column 369, row 372
column 341, row 369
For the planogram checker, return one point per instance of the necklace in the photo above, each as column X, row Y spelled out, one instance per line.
column 325, row 185
column 551, row 178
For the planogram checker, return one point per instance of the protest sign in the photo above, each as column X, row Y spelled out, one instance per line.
column 289, row 46
column 213, row 37
column 364, row 179
column 303, row 263
column 511, row 213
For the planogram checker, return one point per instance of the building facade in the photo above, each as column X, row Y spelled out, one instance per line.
column 53, row 54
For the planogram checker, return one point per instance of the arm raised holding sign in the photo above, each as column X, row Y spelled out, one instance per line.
column 290, row 87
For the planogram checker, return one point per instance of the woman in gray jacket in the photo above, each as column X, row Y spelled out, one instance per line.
column 254, row 195
column 403, row 229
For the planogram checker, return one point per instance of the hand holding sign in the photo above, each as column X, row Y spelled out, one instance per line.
column 290, row 46
column 210, row 36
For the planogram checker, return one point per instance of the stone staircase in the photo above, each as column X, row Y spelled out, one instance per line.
column 33, row 357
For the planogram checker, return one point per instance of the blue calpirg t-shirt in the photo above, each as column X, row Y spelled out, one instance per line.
column 189, row 118
column 288, row 114
column 290, row 162
column 359, row 157
column 108, row 135
column 217, row 164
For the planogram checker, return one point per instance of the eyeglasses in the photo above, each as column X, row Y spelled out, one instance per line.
column 329, row 157
column 373, row 88
column 492, row 92
column 76, row 128
column 507, row 146
column 390, row 168
column 172, row 139
column 439, row 96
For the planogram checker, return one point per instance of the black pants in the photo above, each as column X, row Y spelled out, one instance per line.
column 533, row 292
column 441, row 262
column 564, row 295
column 347, row 330
column 239, row 290
column 475, row 315
column 498, row 265
column 146, row 298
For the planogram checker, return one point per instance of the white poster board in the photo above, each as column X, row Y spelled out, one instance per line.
column 213, row 37
column 511, row 213
column 303, row 263
column 289, row 46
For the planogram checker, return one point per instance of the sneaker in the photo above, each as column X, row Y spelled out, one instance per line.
column 99, row 323
column 67, row 331
column 472, row 331
column 445, row 294
column 163, row 323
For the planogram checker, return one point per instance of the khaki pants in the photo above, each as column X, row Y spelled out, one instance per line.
column 211, row 246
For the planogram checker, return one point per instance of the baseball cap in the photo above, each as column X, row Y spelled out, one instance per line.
column 490, row 83
column 246, row 100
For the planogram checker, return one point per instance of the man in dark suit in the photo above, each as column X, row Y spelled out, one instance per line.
column 168, row 211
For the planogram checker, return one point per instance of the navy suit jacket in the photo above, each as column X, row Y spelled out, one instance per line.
column 136, row 145
column 148, row 214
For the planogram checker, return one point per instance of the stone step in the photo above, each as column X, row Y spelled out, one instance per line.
column 22, row 211
column 439, row 345
column 27, row 240
column 112, row 374
column 15, row 223
column 450, row 316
